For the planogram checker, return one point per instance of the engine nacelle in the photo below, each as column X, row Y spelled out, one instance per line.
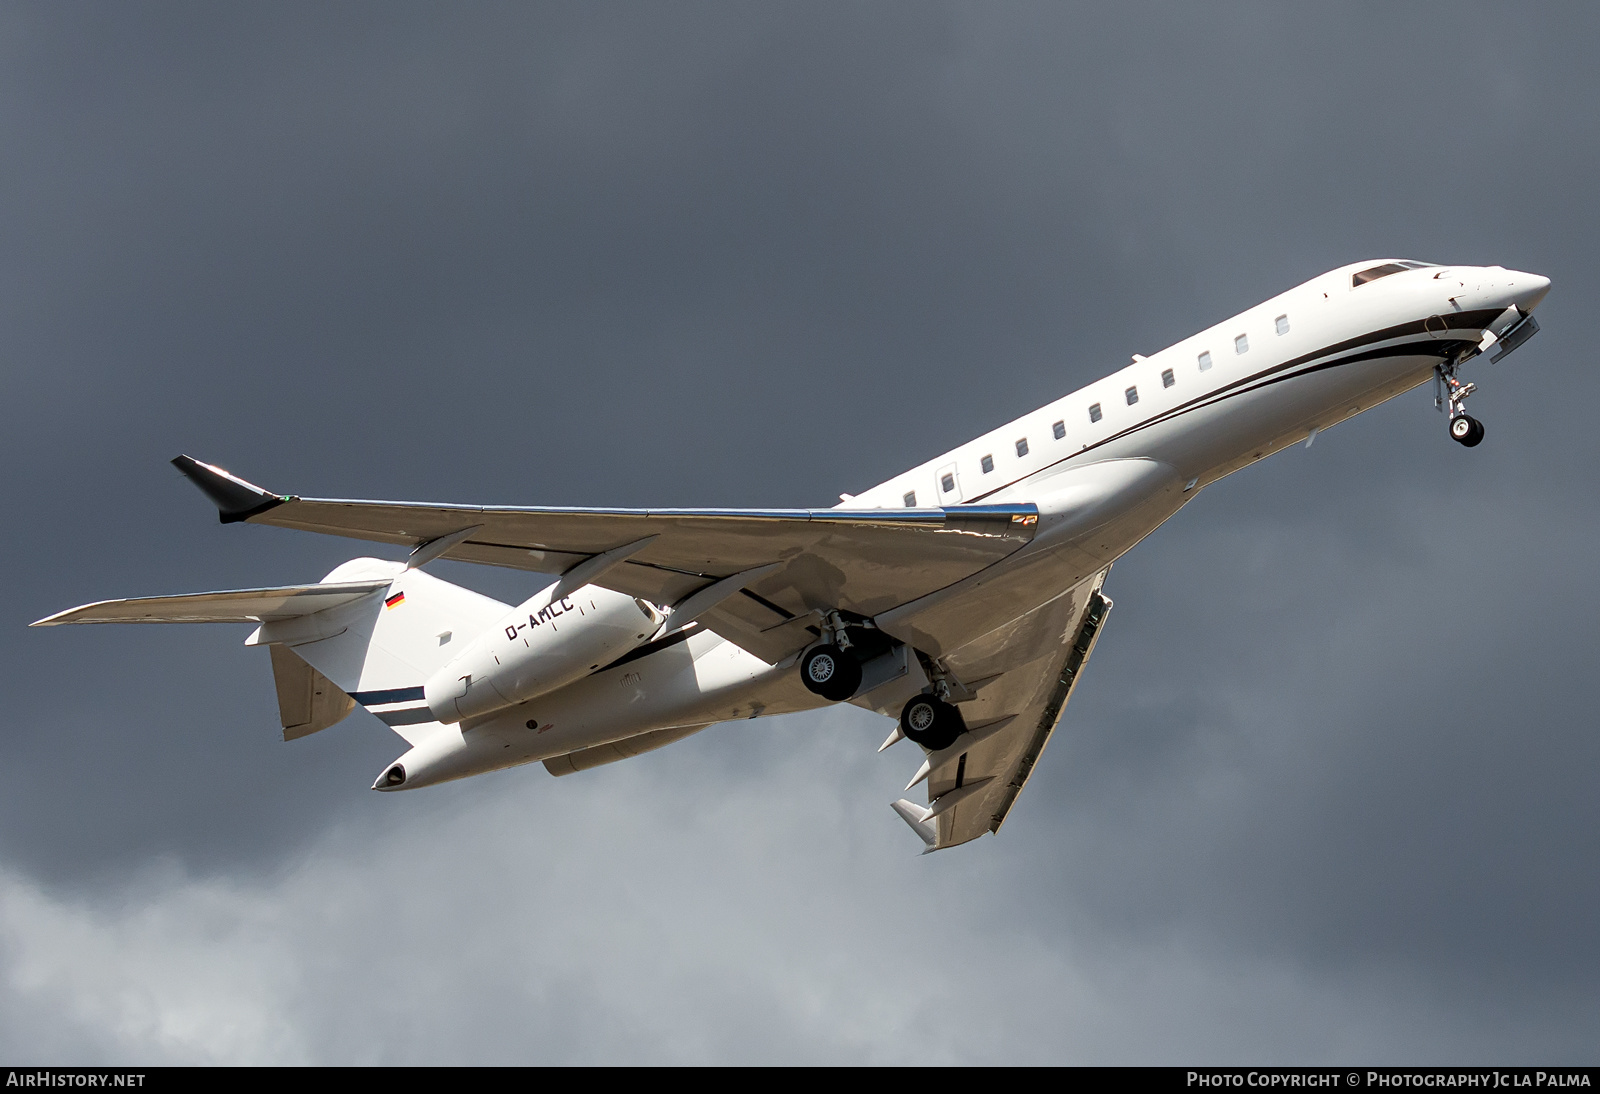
column 537, row 647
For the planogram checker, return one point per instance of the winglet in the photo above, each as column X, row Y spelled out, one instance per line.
column 236, row 500
column 917, row 817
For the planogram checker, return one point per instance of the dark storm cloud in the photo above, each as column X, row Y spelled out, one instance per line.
column 1325, row 791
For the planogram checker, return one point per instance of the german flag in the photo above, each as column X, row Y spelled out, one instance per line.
column 395, row 601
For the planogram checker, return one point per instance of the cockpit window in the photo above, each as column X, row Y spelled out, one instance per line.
column 1373, row 273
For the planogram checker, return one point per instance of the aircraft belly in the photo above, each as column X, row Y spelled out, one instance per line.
column 693, row 683
column 1201, row 444
column 1208, row 442
column 1089, row 517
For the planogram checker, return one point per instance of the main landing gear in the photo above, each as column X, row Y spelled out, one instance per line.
column 1450, row 391
column 830, row 672
column 832, row 668
column 931, row 722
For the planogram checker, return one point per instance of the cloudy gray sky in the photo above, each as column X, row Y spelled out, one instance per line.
column 1327, row 793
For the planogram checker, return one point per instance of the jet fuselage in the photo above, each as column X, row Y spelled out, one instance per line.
column 1105, row 465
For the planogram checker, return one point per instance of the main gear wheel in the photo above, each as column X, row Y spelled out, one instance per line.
column 931, row 722
column 830, row 672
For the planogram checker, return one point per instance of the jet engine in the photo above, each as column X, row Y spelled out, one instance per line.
column 538, row 646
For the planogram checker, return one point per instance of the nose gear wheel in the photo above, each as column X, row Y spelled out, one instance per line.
column 1451, row 392
column 1467, row 430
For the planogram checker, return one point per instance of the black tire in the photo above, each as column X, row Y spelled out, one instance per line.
column 828, row 671
column 1466, row 430
column 931, row 723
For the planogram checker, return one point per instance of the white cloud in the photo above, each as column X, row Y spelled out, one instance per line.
column 178, row 971
column 625, row 915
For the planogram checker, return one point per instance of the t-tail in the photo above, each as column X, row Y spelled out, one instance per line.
column 373, row 632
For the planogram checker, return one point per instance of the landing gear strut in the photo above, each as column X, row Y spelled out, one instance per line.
column 1449, row 391
column 832, row 668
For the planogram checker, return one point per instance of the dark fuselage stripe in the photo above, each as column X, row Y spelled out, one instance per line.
column 1434, row 345
column 405, row 717
column 391, row 695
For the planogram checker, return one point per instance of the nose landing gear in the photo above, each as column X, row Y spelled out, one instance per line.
column 1450, row 391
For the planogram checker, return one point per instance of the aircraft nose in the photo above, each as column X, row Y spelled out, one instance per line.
column 1527, row 289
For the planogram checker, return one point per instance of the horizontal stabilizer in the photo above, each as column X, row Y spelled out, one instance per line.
column 232, row 606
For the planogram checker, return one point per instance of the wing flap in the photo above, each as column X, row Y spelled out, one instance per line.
column 1040, row 658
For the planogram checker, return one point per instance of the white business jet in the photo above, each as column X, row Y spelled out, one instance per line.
column 961, row 598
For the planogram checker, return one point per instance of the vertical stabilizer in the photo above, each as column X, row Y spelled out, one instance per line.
column 379, row 650
column 307, row 700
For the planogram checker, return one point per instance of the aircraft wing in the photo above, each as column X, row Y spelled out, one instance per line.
column 779, row 567
column 1023, row 674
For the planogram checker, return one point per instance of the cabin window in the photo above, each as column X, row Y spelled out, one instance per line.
column 1205, row 360
column 1059, row 429
column 947, row 483
column 1133, row 395
column 1241, row 344
column 1167, row 379
column 1282, row 324
column 987, row 463
column 910, row 499
column 1094, row 412
column 1022, row 447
